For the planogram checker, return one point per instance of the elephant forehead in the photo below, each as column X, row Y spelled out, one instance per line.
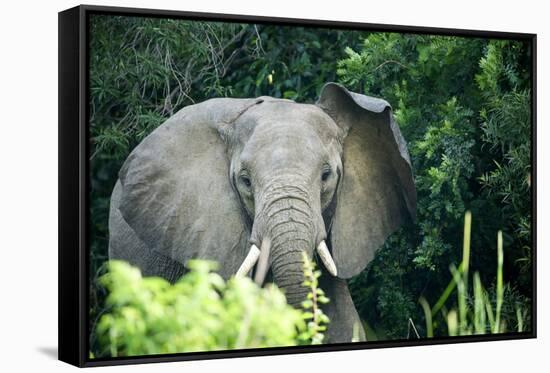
column 290, row 121
column 281, row 112
column 284, row 133
column 277, row 138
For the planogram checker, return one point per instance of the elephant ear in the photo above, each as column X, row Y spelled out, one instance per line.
column 176, row 193
column 376, row 192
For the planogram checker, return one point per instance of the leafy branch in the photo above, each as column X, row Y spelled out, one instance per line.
column 316, row 320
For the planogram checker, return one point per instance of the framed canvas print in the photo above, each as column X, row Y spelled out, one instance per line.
column 234, row 186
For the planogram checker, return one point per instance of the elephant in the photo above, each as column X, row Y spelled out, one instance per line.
column 253, row 183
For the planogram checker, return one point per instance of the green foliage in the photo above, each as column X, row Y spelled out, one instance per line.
column 506, row 126
column 200, row 312
column 463, row 105
column 477, row 311
column 313, row 314
column 291, row 62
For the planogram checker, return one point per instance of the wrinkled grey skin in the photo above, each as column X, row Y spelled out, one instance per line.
column 223, row 174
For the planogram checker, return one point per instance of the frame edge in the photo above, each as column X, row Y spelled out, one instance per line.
column 72, row 50
column 69, row 248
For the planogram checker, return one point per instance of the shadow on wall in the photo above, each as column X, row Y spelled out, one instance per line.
column 50, row 352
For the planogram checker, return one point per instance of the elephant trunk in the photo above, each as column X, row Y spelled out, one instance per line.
column 289, row 226
column 287, row 269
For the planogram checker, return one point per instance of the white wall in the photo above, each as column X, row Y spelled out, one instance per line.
column 28, row 188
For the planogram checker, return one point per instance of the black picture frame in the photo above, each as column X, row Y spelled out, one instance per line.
column 74, row 184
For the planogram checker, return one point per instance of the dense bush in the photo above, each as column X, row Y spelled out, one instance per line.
column 198, row 313
column 463, row 105
column 202, row 312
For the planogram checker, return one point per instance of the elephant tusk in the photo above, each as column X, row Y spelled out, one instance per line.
column 261, row 269
column 249, row 261
column 326, row 258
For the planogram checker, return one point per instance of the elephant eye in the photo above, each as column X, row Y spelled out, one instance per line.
column 325, row 175
column 246, row 181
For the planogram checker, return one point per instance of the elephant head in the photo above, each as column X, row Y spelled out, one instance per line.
column 257, row 182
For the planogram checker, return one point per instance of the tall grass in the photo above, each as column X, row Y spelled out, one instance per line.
column 474, row 313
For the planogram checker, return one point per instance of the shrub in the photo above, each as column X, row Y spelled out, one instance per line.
column 316, row 319
column 202, row 312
